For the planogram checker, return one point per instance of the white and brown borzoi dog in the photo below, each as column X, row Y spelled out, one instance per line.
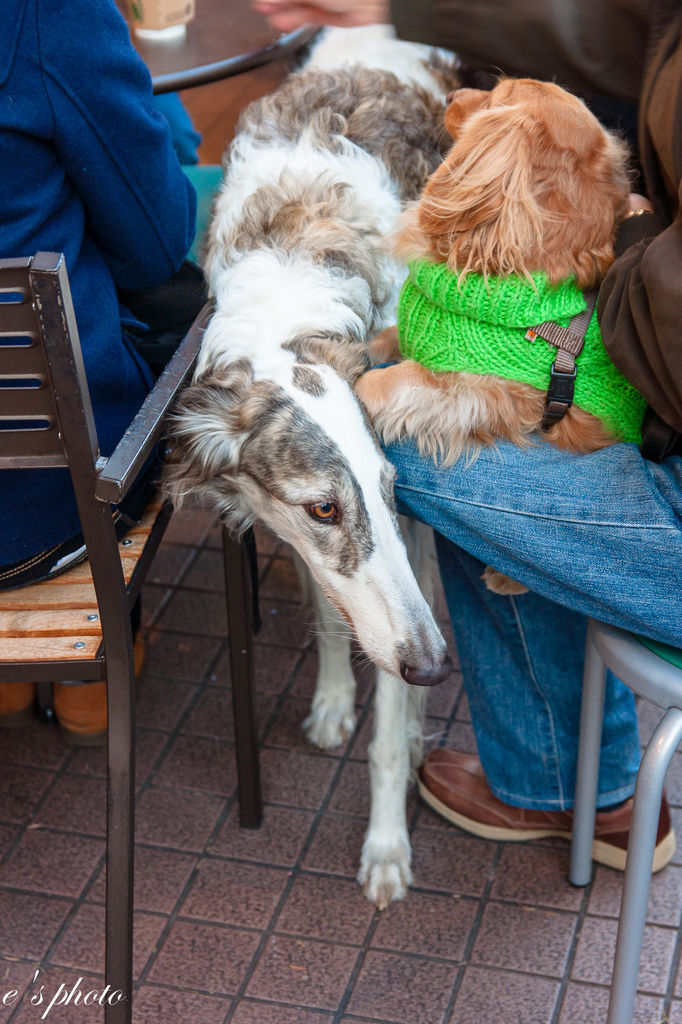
column 271, row 429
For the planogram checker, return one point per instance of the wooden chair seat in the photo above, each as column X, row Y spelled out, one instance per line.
column 49, row 621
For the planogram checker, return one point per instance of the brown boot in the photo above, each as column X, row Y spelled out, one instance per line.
column 81, row 708
column 16, row 704
column 139, row 655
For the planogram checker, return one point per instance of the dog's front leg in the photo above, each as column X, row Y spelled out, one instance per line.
column 385, row 862
column 332, row 715
column 421, row 551
column 395, row 751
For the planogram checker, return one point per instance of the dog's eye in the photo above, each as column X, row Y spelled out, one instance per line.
column 324, row 512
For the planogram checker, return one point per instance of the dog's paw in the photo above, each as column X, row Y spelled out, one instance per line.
column 374, row 390
column 501, row 584
column 384, row 347
column 330, row 722
column 385, row 872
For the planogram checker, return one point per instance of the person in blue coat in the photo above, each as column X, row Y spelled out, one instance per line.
column 89, row 170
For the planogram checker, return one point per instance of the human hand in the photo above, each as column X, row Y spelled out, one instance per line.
column 639, row 204
column 287, row 15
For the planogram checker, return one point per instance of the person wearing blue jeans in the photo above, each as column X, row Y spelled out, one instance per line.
column 598, row 534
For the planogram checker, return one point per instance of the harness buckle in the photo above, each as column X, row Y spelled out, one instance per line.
column 559, row 395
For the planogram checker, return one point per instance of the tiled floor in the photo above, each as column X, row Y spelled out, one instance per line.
column 269, row 926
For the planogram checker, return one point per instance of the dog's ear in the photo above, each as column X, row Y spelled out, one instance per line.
column 580, row 177
column 206, row 432
column 461, row 104
column 478, row 207
column 591, row 199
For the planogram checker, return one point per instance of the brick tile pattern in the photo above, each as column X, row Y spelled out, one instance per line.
column 269, row 926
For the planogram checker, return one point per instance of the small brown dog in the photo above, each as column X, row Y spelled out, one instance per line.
column 533, row 183
column 531, row 191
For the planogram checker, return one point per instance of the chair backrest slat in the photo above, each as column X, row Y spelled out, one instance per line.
column 43, row 392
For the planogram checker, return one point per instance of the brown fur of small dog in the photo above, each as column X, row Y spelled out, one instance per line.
column 454, row 414
column 532, row 182
column 501, row 584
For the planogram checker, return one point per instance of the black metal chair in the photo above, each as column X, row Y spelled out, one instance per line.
column 46, row 421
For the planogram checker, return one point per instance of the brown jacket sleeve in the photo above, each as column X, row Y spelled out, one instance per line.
column 640, row 312
column 640, row 301
column 591, row 46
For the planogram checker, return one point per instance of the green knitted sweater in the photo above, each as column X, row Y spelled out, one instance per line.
column 480, row 329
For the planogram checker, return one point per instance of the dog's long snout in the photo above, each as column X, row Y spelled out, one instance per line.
column 420, row 675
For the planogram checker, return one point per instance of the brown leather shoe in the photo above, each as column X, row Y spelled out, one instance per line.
column 16, row 704
column 454, row 785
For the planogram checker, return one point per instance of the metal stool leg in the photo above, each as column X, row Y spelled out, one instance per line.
column 589, row 746
column 645, row 813
column 239, row 615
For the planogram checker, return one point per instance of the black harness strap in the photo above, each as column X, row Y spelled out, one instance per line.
column 569, row 342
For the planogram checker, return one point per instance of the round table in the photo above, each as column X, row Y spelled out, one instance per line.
column 225, row 38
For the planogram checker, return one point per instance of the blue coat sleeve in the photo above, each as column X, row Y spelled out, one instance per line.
column 115, row 148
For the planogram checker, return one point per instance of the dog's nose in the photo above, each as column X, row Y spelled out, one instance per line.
column 426, row 676
column 450, row 97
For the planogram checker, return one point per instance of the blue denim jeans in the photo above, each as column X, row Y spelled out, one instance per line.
column 597, row 535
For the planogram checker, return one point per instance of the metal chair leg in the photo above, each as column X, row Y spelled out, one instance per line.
column 120, row 835
column 239, row 615
column 589, row 745
column 645, row 813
